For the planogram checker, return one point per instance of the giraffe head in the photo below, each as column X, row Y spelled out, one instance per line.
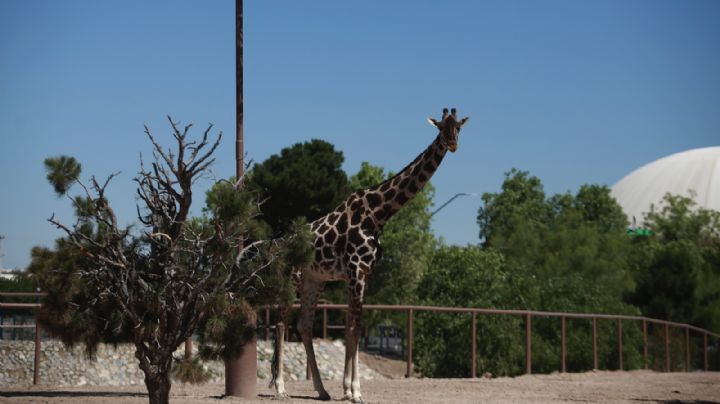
column 449, row 126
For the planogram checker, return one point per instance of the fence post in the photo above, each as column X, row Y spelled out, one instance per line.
column 594, row 343
column 667, row 347
column 645, row 344
column 563, row 343
column 687, row 349
column 620, row 344
column 705, row 352
column 325, row 323
column 36, row 369
column 267, row 323
column 410, row 342
column 473, row 337
column 528, row 343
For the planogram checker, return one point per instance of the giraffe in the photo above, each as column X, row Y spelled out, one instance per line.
column 347, row 248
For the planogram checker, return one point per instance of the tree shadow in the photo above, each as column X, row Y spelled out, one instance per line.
column 49, row 393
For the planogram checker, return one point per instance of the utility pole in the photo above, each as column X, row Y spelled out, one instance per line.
column 241, row 372
column 239, row 141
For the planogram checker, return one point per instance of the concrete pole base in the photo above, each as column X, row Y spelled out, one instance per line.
column 241, row 373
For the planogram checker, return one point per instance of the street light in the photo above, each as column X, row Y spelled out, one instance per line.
column 452, row 199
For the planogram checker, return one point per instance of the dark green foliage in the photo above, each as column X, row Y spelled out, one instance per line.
column 305, row 180
column 568, row 252
column 678, row 266
column 71, row 311
column 62, row 171
column 467, row 277
column 521, row 197
column 153, row 286
column 229, row 324
column 20, row 283
column 564, row 253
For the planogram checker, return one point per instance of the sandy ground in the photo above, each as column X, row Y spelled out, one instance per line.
column 601, row 387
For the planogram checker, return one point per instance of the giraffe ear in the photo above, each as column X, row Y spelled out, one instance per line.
column 464, row 120
column 433, row 122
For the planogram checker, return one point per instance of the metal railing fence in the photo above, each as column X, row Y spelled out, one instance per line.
column 528, row 315
column 411, row 310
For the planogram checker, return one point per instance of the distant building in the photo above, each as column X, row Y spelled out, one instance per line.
column 697, row 170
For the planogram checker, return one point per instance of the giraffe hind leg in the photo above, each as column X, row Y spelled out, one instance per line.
column 276, row 366
column 311, row 292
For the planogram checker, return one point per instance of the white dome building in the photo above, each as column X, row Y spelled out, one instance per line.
column 697, row 170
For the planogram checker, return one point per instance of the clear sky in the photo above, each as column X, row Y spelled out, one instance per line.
column 573, row 91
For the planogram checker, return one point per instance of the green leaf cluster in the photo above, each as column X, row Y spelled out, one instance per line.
column 304, row 180
column 71, row 309
column 561, row 253
column 62, row 173
column 467, row 277
column 678, row 267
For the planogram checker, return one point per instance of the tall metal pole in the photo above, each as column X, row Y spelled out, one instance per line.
column 239, row 141
column 241, row 372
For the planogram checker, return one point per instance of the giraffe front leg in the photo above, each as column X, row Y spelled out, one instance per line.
column 351, row 381
column 356, row 395
column 347, row 374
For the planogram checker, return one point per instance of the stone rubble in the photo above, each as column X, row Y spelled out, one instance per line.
column 117, row 365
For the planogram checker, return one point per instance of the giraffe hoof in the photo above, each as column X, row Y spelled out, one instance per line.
column 324, row 396
column 357, row 400
column 282, row 396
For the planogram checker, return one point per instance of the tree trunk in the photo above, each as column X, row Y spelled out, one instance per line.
column 156, row 366
column 158, row 386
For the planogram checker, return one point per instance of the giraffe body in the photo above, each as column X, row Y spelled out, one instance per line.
column 347, row 248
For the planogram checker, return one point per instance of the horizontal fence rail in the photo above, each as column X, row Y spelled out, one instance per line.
column 411, row 310
column 528, row 315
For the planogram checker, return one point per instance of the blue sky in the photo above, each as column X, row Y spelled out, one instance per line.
column 573, row 91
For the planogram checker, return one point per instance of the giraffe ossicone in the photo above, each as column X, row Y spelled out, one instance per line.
column 347, row 248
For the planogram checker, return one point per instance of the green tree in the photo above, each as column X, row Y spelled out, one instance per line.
column 155, row 285
column 304, row 180
column 522, row 199
column 678, row 266
column 467, row 277
column 565, row 253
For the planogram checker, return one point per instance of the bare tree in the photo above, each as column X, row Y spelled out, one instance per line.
column 167, row 277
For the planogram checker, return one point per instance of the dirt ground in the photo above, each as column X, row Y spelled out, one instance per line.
column 595, row 387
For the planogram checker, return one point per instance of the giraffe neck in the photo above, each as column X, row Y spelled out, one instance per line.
column 387, row 198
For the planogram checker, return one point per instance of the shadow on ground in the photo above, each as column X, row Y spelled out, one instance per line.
column 40, row 393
